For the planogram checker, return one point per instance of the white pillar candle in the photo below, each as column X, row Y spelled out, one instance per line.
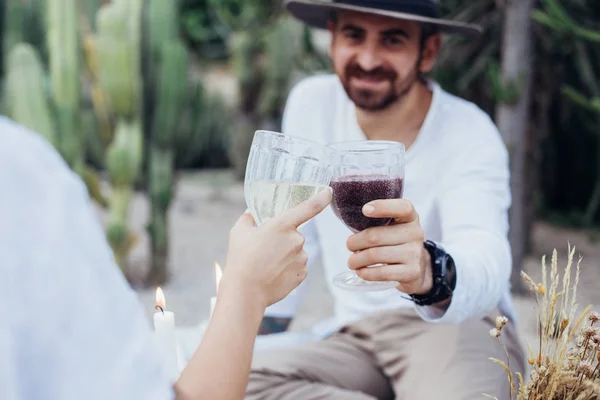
column 164, row 327
column 218, row 276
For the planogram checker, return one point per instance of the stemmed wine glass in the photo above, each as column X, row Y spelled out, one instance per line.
column 364, row 171
column 282, row 172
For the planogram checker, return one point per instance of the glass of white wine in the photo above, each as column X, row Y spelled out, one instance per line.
column 282, row 172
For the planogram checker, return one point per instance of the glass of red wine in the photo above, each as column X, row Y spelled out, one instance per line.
column 364, row 171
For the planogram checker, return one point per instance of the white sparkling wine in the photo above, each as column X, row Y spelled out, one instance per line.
column 266, row 199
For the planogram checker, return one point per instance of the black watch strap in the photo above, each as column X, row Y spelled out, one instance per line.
column 443, row 272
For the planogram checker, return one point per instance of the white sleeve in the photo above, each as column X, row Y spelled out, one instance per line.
column 473, row 208
column 302, row 111
column 78, row 329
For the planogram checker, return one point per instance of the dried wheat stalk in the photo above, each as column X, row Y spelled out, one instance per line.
column 566, row 361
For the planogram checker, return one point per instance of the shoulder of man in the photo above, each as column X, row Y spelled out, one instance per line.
column 311, row 105
column 468, row 123
column 316, row 85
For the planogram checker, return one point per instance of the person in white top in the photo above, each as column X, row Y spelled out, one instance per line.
column 71, row 326
column 447, row 251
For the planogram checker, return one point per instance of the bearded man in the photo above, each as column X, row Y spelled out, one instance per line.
column 447, row 254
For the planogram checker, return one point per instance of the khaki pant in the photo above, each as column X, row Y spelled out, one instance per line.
column 391, row 355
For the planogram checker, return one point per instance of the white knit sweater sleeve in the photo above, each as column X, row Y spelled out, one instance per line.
column 473, row 206
column 75, row 330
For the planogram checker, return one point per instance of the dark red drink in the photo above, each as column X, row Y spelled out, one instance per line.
column 352, row 192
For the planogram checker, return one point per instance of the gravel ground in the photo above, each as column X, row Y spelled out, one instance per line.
column 207, row 204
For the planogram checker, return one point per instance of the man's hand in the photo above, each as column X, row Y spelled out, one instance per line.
column 399, row 247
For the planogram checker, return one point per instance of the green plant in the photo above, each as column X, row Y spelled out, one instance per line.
column 202, row 31
column 469, row 67
column 23, row 23
column 136, row 87
column 118, row 52
column 584, row 43
column 554, row 16
column 101, row 135
column 63, row 45
column 263, row 49
column 48, row 101
column 26, row 97
column 203, row 137
column 264, row 84
column 167, row 61
column 90, row 8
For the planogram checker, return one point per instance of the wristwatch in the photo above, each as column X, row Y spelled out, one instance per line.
column 443, row 271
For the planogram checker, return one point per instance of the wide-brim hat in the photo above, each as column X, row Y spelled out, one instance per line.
column 316, row 13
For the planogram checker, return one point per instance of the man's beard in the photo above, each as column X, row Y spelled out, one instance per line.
column 370, row 100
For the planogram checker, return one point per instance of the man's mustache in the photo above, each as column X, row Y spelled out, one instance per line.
column 377, row 74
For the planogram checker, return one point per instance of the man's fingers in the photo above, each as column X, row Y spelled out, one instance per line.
column 401, row 210
column 306, row 210
column 402, row 254
column 389, row 235
column 392, row 273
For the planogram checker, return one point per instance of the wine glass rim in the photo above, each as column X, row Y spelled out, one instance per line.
column 365, row 146
column 282, row 135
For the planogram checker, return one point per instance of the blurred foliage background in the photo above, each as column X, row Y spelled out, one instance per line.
column 133, row 91
column 562, row 139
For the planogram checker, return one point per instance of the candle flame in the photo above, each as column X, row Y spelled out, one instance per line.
column 160, row 299
column 218, row 274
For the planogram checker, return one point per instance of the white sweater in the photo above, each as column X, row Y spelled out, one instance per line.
column 457, row 177
column 72, row 327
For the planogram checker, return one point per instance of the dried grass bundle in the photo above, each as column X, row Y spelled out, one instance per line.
column 566, row 361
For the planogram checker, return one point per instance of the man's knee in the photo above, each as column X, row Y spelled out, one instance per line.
column 260, row 383
column 268, row 371
column 307, row 374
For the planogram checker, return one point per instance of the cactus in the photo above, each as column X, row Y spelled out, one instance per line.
column 90, row 8
column 120, row 95
column 171, row 93
column 263, row 85
column 14, row 17
column 205, row 130
column 103, row 135
column 277, row 72
column 145, row 100
column 26, row 99
column 49, row 105
column 118, row 42
column 262, row 60
column 64, row 58
column 118, row 57
column 22, row 23
column 167, row 69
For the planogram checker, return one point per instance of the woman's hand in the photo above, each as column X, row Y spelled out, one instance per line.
column 268, row 262
column 264, row 264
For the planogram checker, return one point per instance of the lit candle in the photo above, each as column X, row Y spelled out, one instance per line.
column 164, row 327
column 213, row 300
